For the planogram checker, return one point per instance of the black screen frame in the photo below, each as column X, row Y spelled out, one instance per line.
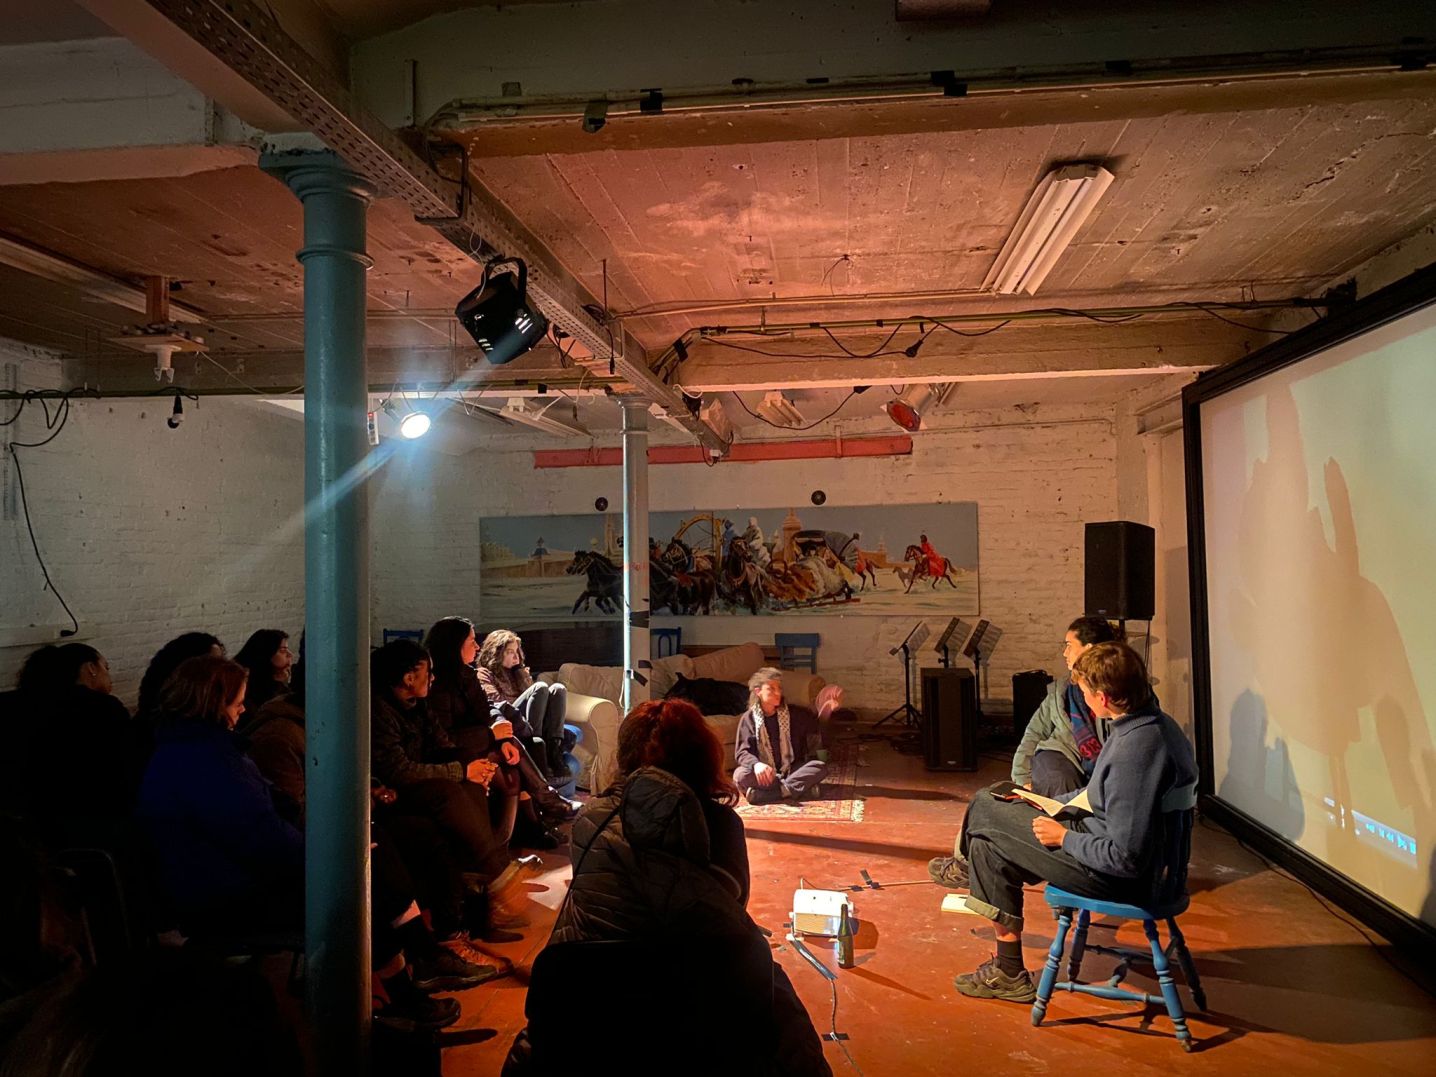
column 1406, row 296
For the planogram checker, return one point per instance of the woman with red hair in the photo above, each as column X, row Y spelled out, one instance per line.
column 657, row 907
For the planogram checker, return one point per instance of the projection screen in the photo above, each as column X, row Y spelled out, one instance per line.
column 1317, row 482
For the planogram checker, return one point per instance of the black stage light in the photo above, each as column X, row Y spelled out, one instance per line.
column 498, row 315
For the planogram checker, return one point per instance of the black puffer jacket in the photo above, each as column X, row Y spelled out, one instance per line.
column 643, row 864
column 644, row 870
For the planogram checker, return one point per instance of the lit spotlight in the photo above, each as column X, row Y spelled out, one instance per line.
column 412, row 423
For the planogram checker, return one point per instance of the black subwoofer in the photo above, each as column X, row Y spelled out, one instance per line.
column 949, row 719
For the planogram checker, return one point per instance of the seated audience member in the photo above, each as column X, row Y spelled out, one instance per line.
column 776, row 743
column 458, row 702
column 229, row 861
column 267, row 656
column 1060, row 747
column 535, row 708
column 274, row 739
column 409, row 862
column 415, row 757
column 76, row 754
column 661, row 857
column 165, row 662
column 1120, row 852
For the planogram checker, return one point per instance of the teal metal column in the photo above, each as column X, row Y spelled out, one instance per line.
column 635, row 554
column 336, row 606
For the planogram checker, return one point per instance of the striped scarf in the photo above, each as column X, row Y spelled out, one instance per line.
column 1084, row 731
column 785, row 738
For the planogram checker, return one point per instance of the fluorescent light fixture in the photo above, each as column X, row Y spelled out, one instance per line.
column 715, row 415
column 908, row 409
column 779, row 410
column 521, row 410
column 1063, row 200
column 659, row 412
column 412, row 422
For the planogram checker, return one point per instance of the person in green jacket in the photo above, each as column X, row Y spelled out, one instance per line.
column 1060, row 747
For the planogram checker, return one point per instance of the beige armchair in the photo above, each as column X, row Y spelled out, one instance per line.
column 595, row 693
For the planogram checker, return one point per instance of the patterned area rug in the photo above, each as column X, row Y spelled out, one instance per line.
column 839, row 801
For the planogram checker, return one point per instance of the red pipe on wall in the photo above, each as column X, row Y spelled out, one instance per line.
column 740, row 452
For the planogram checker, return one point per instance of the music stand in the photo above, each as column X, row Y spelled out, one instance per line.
column 952, row 639
column 908, row 647
column 979, row 648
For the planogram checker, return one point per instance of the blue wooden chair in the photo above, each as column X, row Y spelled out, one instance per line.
column 666, row 641
column 797, row 650
column 415, row 634
column 1169, row 901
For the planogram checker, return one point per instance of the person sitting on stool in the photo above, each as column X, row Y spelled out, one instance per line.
column 1116, row 854
column 774, row 756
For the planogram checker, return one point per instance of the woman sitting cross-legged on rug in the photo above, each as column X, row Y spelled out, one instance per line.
column 658, row 903
column 775, row 750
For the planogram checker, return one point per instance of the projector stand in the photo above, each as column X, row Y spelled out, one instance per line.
column 909, row 715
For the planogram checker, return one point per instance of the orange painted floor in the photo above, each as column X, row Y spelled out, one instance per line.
column 1292, row 988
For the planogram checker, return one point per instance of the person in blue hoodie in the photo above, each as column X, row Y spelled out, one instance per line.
column 1119, row 852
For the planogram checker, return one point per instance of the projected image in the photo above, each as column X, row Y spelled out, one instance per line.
column 1320, row 502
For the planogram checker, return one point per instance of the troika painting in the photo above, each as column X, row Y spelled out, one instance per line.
column 891, row 560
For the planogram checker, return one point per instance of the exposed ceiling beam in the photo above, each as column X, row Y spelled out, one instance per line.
column 498, row 129
column 279, row 373
column 242, row 36
column 102, row 286
column 1017, row 353
column 101, row 109
column 852, row 63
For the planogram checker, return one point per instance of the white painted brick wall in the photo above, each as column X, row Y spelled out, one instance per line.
column 149, row 532
column 1036, row 478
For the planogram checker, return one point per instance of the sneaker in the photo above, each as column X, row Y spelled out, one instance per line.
column 463, row 946
column 948, row 871
column 989, row 981
column 446, row 970
column 405, row 1008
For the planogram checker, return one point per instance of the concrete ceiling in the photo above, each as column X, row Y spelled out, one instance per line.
column 873, row 211
column 1223, row 206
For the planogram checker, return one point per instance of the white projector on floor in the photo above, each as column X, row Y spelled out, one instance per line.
column 820, row 912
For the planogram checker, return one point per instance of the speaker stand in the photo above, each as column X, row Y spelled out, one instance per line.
column 905, row 711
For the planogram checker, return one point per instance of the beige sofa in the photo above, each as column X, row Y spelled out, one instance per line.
column 594, row 693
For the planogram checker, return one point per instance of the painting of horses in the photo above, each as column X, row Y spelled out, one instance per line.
column 753, row 562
